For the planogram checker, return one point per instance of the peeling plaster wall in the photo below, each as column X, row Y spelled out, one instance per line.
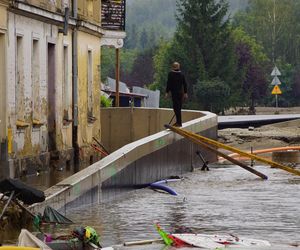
column 89, row 10
column 3, row 132
column 86, row 130
column 30, row 140
column 63, row 132
column 3, row 21
column 37, row 116
column 51, row 5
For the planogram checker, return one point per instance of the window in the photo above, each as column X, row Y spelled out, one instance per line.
column 90, row 84
column 66, row 86
column 19, row 90
column 35, row 78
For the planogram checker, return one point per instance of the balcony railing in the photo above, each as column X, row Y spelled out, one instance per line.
column 113, row 14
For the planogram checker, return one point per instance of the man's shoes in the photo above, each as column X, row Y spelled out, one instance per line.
column 177, row 125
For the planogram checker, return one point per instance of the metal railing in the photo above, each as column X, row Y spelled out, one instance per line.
column 113, row 14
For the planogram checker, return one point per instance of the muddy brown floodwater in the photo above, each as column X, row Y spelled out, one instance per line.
column 226, row 199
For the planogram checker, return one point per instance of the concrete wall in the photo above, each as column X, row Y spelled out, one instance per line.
column 121, row 126
column 143, row 161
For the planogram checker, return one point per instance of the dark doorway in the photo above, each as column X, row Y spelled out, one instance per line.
column 51, row 98
column 2, row 102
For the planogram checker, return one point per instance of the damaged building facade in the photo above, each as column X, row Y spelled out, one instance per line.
column 50, row 81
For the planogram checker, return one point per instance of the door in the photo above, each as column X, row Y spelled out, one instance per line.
column 51, row 98
column 3, row 106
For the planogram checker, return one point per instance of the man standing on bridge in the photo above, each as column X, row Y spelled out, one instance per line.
column 176, row 84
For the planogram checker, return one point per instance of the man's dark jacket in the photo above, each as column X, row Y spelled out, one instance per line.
column 176, row 82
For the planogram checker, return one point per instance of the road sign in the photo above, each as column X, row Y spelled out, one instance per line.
column 275, row 72
column 276, row 81
column 276, row 90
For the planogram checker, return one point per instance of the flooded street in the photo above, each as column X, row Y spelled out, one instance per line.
column 223, row 200
column 226, row 199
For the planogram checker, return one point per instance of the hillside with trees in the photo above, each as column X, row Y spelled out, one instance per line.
column 227, row 50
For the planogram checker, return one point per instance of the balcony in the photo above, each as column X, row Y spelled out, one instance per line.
column 113, row 14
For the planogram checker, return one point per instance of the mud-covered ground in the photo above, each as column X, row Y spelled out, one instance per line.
column 269, row 136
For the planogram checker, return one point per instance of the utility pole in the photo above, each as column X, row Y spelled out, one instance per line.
column 274, row 33
column 117, row 102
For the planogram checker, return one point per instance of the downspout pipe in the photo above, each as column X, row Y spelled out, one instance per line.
column 75, row 89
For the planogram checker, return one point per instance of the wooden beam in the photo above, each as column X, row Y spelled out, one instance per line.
column 211, row 142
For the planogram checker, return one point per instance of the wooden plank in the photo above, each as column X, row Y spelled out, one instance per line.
column 197, row 137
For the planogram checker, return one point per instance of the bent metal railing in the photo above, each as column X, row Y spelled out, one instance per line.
column 113, row 14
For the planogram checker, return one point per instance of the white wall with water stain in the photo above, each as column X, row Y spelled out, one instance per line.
column 37, row 82
column 3, row 29
column 28, row 42
column 88, row 88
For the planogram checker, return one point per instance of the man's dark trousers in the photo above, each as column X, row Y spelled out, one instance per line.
column 177, row 105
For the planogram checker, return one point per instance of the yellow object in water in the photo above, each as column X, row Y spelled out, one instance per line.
column 18, row 248
column 87, row 233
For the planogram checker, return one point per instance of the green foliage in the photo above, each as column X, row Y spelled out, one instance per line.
column 274, row 25
column 149, row 21
column 203, row 57
column 108, row 62
column 256, row 49
column 142, row 70
column 213, row 95
column 106, row 101
column 162, row 61
column 252, row 68
column 215, row 54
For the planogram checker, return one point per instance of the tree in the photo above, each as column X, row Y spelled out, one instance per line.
column 142, row 70
column 274, row 23
column 216, row 90
column 252, row 70
column 162, row 61
column 150, row 16
column 144, row 40
column 202, row 44
column 255, row 86
column 131, row 38
column 108, row 63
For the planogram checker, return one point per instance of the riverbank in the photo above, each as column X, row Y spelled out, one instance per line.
column 269, row 136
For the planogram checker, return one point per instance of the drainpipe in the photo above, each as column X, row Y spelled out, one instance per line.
column 75, row 91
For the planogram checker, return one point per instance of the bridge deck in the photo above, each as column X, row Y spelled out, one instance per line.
column 244, row 121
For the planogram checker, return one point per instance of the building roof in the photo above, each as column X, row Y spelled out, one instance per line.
column 113, row 93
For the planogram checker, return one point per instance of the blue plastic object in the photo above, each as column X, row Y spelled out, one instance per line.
column 165, row 188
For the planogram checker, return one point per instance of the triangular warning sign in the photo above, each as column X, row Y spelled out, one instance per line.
column 276, row 72
column 276, row 81
column 276, row 90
